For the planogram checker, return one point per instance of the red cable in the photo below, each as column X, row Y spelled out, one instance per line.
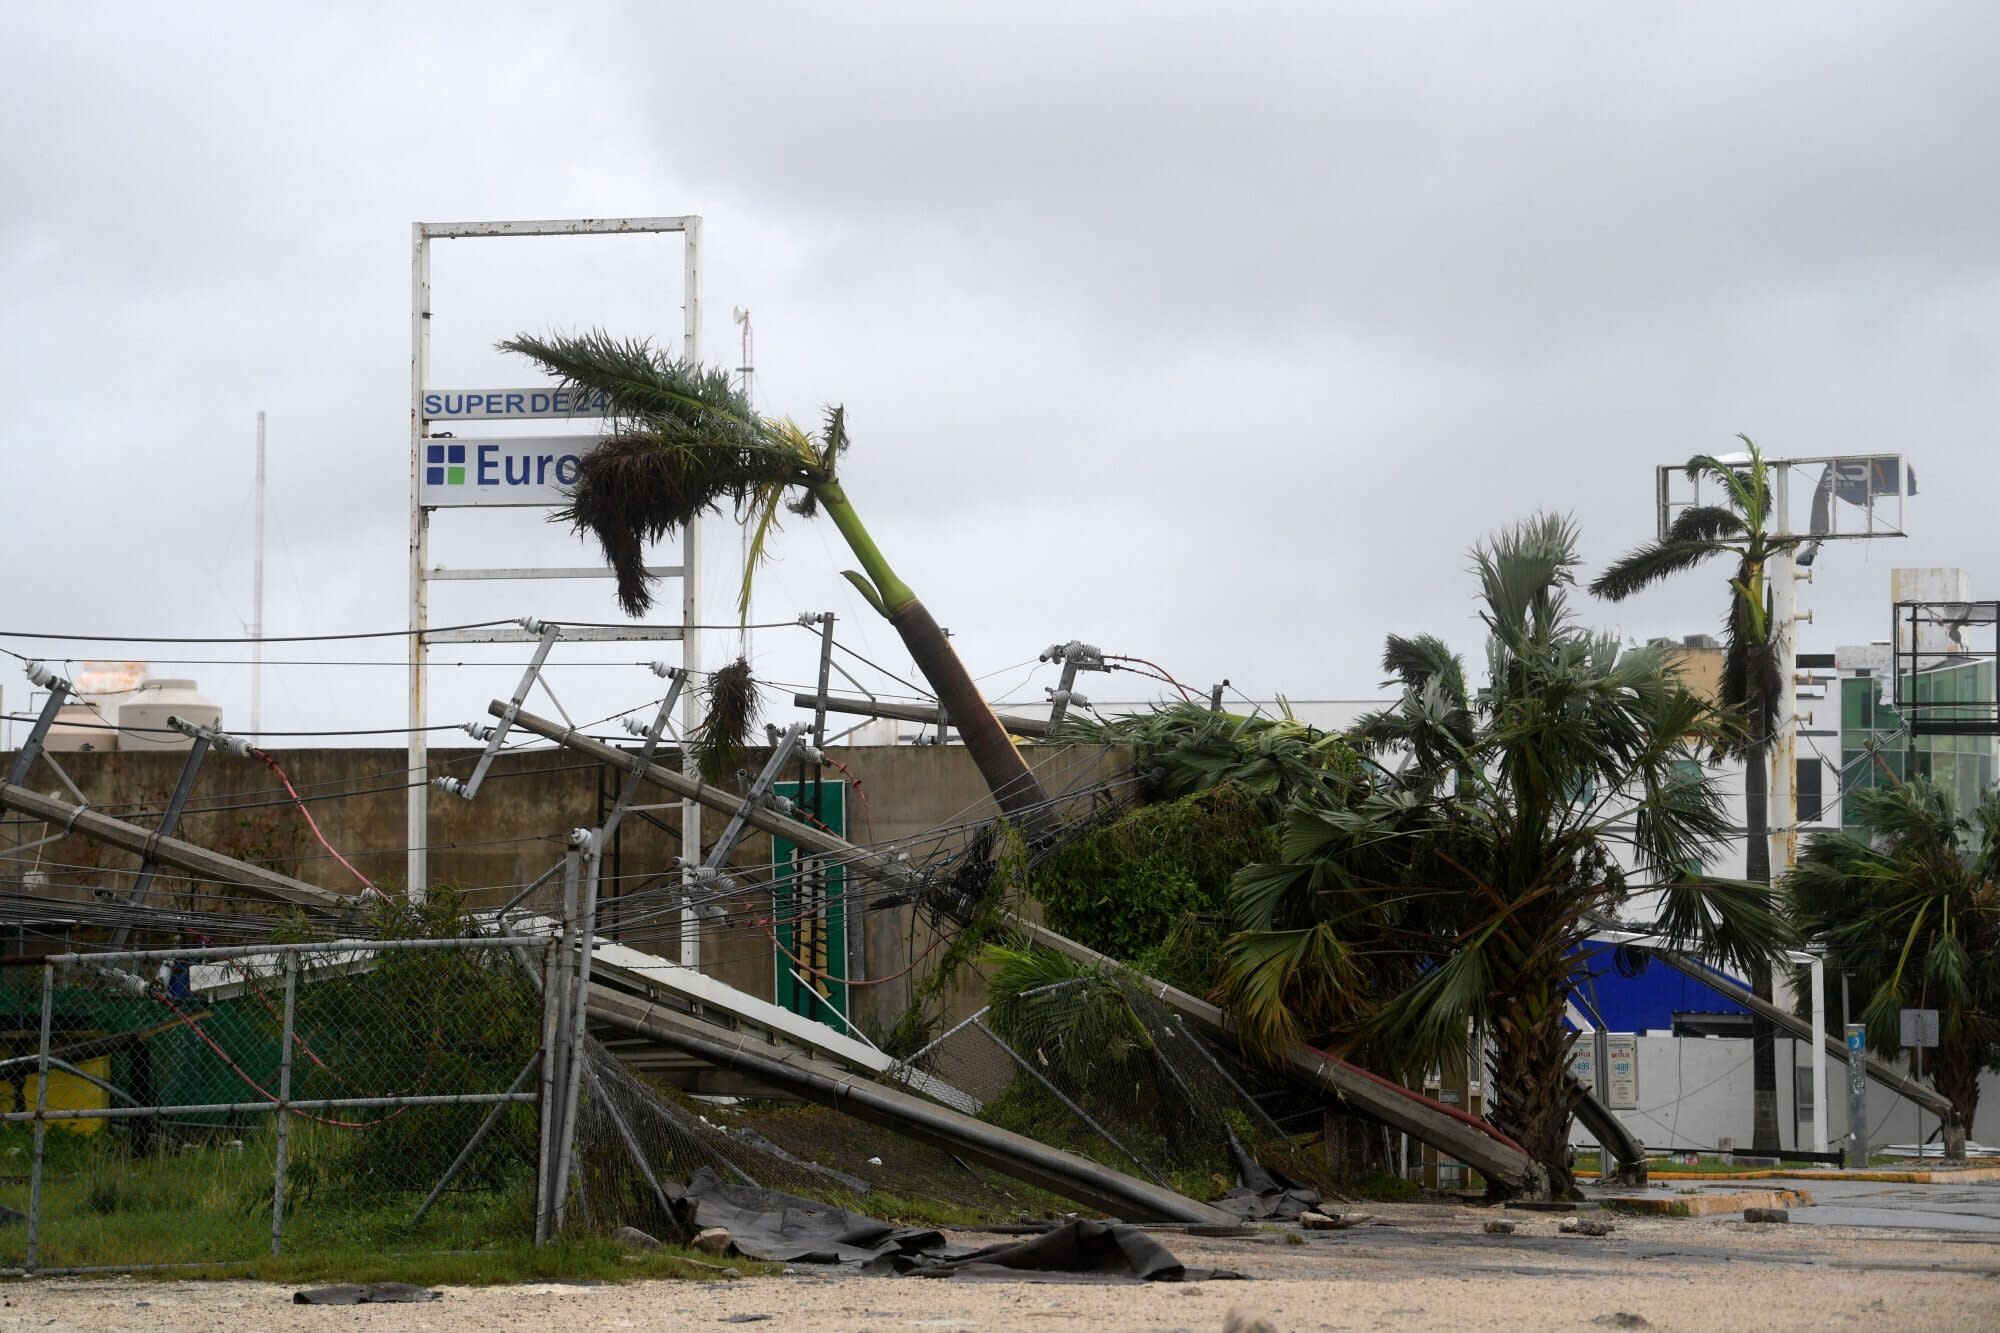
column 223, row 1056
column 867, row 816
column 1165, row 674
column 311, row 823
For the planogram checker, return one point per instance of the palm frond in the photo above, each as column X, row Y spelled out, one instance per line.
column 1280, row 985
column 1706, row 523
column 1643, row 566
column 1735, row 921
column 733, row 709
column 684, row 443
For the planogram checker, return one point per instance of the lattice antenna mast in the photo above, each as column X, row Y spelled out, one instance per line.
column 746, row 372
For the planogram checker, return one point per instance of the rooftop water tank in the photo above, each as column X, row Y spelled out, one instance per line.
column 79, row 727
column 88, row 720
column 142, row 719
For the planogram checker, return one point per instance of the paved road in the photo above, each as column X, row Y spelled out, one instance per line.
column 1864, row 1203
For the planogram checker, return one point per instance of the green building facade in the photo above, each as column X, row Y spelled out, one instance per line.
column 1874, row 744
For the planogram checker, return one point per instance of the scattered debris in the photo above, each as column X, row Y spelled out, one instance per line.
column 1498, row 1228
column 720, row 1270
column 1622, row 1319
column 1585, row 1226
column 743, row 1319
column 1767, row 1215
column 634, row 1239
column 1080, row 1251
column 367, row 1293
column 1312, row 1221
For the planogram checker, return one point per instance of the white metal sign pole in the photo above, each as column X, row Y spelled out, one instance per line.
column 1783, row 816
column 417, row 876
column 521, row 471
column 691, row 847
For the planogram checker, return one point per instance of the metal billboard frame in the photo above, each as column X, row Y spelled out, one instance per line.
column 422, row 573
column 1878, row 477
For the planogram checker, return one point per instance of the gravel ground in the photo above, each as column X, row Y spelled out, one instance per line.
column 1426, row 1266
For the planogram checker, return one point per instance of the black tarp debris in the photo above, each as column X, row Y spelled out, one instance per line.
column 783, row 1228
column 1079, row 1251
column 366, row 1293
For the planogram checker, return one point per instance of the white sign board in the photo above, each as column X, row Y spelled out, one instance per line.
column 526, row 470
column 1621, row 1071
column 514, row 404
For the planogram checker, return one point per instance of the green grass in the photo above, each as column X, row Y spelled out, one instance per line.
column 1386, row 1188
column 205, row 1211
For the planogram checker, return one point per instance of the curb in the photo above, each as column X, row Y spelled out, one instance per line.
column 1708, row 1205
column 1965, row 1175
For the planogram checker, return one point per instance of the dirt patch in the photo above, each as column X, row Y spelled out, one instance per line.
column 1427, row 1266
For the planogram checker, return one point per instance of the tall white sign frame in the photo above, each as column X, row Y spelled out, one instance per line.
column 423, row 573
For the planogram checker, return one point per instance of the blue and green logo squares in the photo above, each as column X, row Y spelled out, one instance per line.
column 444, row 465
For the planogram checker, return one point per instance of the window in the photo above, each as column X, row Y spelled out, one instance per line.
column 1812, row 799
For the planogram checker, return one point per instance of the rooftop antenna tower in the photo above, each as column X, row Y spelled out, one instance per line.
column 257, row 597
column 747, row 371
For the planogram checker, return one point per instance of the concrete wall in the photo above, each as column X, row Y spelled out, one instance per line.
column 1695, row 1091
column 920, row 799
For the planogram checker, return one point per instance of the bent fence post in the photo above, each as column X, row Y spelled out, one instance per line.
column 478, row 1137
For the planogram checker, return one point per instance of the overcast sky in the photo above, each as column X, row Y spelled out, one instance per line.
column 1213, row 335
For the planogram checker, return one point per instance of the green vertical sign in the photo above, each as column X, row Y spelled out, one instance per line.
column 809, row 907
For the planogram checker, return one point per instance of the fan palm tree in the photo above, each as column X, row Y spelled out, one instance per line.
column 684, row 442
column 1455, row 891
column 1910, row 909
column 1739, row 530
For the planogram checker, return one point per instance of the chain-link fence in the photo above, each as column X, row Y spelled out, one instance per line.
column 1096, row 1065
column 192, row 1106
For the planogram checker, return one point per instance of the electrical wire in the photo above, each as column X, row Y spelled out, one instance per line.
column 334, row 638
column 1165, row 674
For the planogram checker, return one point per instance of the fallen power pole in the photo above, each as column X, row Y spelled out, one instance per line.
column 1012, row 1154
column 1481, row 1148
column 1494, row 1157
column 879, row 865
column 1928, row 1098
column 150, row 844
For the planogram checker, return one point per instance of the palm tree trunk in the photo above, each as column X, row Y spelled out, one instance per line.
column 1534, row 1095
column 1956, row 1075
column 1764, row 1134
column 1015, row 788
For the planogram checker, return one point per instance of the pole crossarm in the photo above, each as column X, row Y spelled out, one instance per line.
column 925, row 713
